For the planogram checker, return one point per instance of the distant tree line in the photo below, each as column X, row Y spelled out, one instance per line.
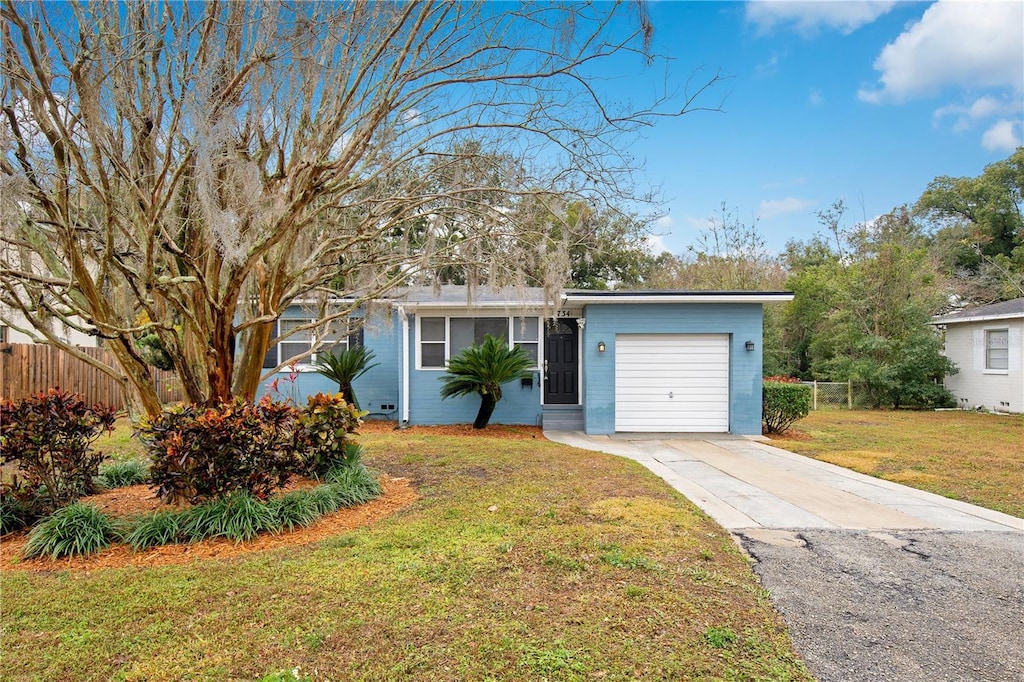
column 865, row 293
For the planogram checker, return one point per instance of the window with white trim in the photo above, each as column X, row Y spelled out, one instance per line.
column 997, row 349
column 440, row 338
column 336, row 338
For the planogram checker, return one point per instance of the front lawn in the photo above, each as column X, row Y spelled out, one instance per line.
column 977, row 458
column 523, row 559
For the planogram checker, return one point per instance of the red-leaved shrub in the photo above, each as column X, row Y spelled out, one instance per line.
column 49, row 436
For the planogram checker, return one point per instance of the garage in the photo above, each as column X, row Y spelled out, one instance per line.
column 673, row 383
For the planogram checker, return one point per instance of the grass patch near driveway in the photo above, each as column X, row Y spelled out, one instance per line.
column 522, row 560
column 977, row 458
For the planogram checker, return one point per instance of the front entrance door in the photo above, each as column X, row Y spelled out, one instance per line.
column 561, row 363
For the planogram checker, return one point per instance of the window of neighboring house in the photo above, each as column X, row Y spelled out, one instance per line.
column 336, row 339
column 3, row 333
column 442, row 337
column 997, row 349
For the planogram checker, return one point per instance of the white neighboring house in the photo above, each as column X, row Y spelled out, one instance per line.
column 9, row 334
column 986, row 344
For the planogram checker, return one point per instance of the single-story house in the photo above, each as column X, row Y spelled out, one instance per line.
column 986, row 345
column 606, row 361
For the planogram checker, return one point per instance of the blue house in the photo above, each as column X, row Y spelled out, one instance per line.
column 606, row 361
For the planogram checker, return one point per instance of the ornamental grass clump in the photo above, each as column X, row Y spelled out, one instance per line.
column 162, row 527
column 239, row 516
column 123, row 474
column 294, row 510
column 74, row 529
column 354, row 485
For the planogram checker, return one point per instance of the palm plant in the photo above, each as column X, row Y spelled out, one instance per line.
column 345, row 367
column 482, row 370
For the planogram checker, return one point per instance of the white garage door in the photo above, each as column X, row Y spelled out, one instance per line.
column 672, row 383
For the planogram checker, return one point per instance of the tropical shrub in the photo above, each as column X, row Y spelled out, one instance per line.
column 49, row 435
column 74, row 529
column 205, row 454
column 322, row 437
column 783, row 404
column 344, row 367
column 482, row 370
column 19, row 507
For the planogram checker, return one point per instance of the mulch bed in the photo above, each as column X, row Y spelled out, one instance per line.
column 504, row 431
column 124, row 502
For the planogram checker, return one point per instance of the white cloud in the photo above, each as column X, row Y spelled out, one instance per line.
column 1002, row 136
column 970, row 45
column 771, row 208
column 664, row 223
column 965, row 116
column 655, row 244
column 768, row 68
column 807, row 18
column 816, row 98
column 697, row 223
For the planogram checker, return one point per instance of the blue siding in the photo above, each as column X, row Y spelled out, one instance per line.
column 518, row 405
column 741, row 320
column 382, row 385
column 375, row 389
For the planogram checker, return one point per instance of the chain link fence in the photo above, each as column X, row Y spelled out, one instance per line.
column 832, row 395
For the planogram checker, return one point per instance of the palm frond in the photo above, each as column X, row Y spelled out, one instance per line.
column 345, row 366
column 483, row 369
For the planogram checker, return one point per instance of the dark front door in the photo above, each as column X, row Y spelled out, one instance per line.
column 561, row 363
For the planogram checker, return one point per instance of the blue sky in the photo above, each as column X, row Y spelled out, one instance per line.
column 861, row 101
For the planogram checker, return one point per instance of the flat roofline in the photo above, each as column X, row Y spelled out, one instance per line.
column 592, row 297
column 976, row 318
column 597, row 297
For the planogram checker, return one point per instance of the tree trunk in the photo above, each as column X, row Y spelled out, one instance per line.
column 487, row 403
column 138, row 383
column 250, row 366
column 349, row 395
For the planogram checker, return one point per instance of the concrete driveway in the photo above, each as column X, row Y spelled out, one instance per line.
column 877, row 581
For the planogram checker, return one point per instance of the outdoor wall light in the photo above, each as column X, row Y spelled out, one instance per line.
column 749, row 345
column 600, row 346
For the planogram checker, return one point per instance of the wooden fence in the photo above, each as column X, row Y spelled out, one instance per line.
column 30, row 368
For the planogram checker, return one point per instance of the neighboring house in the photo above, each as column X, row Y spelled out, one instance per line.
column 607, row 362
column 985, row 343
column 10, row 334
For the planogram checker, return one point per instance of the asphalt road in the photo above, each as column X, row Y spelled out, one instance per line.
column 899, row 605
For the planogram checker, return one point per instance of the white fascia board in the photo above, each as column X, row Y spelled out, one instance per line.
column 976, row 318
column 491, row 305
column 753, row 297
column 332, row 301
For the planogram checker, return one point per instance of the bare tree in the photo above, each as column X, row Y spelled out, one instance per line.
column 191, row 170
column 726, row 255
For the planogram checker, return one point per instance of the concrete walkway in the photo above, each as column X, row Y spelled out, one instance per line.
column 876, row 581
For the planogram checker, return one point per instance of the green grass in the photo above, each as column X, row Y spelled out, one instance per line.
column 523, row 560
column 119, row 444
column 977, row 458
